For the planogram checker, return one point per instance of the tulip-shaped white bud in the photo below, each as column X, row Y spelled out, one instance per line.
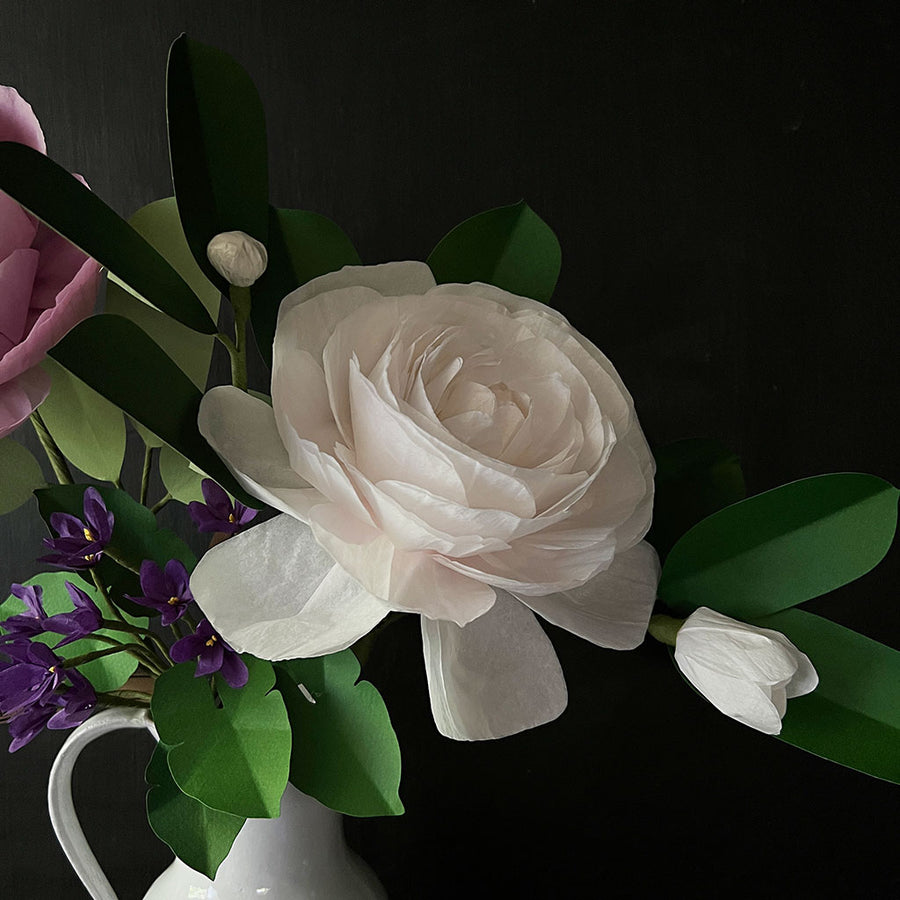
column 745, row 672
column 237, row 257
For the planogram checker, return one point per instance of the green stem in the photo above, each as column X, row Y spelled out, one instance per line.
column 96, row 654
column 54, row 454
column 138, row 651
column 240, row 303
column 145, row 634
column 136, row 699
column 104, row 593
column 160, row 503
column 664, row 628
column 145, row 474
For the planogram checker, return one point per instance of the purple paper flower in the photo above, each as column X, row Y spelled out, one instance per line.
column 83, row 621
column 167, row 591
column 36, row 672
column 29, row 623
column 28, row 724
column 219, row 513
column 80, row 543
column 75, row 704
column 212, row 655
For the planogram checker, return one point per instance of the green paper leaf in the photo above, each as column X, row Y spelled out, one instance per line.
column 49, row 192
column 783, row 547
column 217, row 146
column 159, row 224
column 198, row 835
column 133, row 381
column 510, row 247
column 87, row 428
column 107, row 673
column 181, row 479
column 234, row 758
column 694, row 479
column 853, row 716
column 345, row 752
column 21, row 475
column 135, row 536
column 302, row 245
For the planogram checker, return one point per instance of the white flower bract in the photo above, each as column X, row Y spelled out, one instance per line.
column 748, row 673
column 454, row 451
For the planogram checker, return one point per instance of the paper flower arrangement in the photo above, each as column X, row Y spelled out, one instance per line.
column 435, row 440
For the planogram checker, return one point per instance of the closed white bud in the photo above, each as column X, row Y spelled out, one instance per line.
column 237, row 257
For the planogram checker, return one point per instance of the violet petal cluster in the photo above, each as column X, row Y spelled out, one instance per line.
column 212, row 654
column 218, row 513
column 80, row 543
column 165, row 590
column 84, row 619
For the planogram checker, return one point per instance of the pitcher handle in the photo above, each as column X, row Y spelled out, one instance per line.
column 59, row 794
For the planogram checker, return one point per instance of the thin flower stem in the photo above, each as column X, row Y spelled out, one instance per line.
column 104, row 593
column 240, row 303
column 664, row 628
column 144, row 634
column 160, row 503
column 117, row 483
column 134, row 699
column 145, row 474
column 54, row 454
column 74, row 661
column 138, row 651
column 177, row 630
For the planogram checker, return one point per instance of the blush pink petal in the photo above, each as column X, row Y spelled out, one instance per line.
column 17, row 229
column 18, row 121
column 20, row 397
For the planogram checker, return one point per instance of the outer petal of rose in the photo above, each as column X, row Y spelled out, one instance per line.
column 18, row 121
column 20, row 397
column 274, row 592
column 613, row 608
column 74, row 303
column 497, row 676
column 17, row 273
column 241, row 429
column 18, row 228
column 61, row 261
column 394, row 279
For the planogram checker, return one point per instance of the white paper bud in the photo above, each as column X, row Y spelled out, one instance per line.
column 745, row 672
column 237, row 257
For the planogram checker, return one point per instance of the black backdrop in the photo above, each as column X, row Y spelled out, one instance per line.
column 722, row 178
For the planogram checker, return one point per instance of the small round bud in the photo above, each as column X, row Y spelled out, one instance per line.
column 237, row 257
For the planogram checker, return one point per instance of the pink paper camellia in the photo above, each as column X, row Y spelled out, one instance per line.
column 47, row 285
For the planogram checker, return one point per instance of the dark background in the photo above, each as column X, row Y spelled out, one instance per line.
column 723, row 179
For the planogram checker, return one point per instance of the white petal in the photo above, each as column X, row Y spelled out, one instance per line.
column 497, row 676
column 613, row 608
column 241, row 429
column 274, row 592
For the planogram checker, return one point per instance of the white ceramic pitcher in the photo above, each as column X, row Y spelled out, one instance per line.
column 299, row 856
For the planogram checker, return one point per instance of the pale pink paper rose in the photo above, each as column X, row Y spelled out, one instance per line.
column 47, row 285
column 454, row 451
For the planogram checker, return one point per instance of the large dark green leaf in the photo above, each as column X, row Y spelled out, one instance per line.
column 198, row 835
column 510, row 247
column 694, row 479
column 783, row 547
column 66, row 205
column 233, row 755
column 217, row 146
column 116, row 358
column 345, row 752
column 853, row 716
column 302, row 245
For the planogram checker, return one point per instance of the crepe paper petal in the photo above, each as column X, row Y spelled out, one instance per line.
column 18, row 229
column 497, row 676
column 241, row 429
column 199, row 836
column 510, row 247
column 87, row 428
column 18, row 121
column 344, row 751
column 780, row 548
column 131, row 382
column 231, row 751
column 274, row 592
column 21, row 474
column 613, row 608
column 68, row 207
column 17, row 273
column 301, row 245
column 160, row 225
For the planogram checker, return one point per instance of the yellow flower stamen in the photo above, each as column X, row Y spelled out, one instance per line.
column 231, row 518
column 89, row 535
column 173, row 601
column 211, row 641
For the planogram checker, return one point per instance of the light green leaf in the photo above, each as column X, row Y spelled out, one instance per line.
column 21, row 475
column 107, row 673
column 235, row 756
column 783, row 547
column 159, row 224
column 88, row 429
column 182, row 480
column 853, row 716
column 345, row 752
column 67, row 206
column 510, row 247
column 302, row 245
column 198, row 835
column 217, row 146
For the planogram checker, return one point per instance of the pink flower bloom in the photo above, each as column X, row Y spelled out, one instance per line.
column 47, row 285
